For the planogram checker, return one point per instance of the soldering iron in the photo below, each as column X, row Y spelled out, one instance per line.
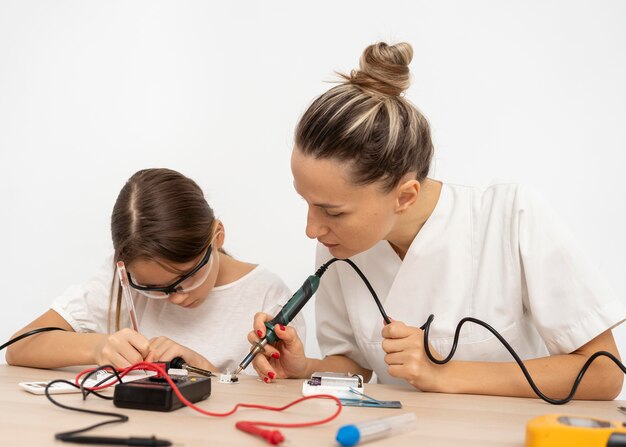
column 284, row 317
column 295, row 305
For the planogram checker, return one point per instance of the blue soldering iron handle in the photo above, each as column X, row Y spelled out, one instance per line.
column 293, row 307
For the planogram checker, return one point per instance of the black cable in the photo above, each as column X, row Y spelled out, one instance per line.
column 66, row 436
column 87, row 391
column 28, row 334
column 325, row 266
column 426, row 328
column 70, row 436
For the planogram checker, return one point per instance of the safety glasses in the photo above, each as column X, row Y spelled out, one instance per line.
column 186, row 283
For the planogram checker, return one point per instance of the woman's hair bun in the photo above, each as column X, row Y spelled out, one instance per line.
column 384, row 69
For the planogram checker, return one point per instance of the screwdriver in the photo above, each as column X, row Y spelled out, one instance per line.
column 179, row 363
column 284, row 317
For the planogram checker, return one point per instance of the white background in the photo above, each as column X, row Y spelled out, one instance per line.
column 90, row 92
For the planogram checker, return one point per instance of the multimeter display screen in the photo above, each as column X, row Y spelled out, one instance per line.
column 584, row 422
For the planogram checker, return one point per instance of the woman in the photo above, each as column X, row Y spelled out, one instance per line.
column 361, row 159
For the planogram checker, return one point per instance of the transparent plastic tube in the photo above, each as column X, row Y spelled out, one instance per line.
column 353, row 434
column 126, row 293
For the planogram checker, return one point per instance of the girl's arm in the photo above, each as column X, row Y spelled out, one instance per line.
column 553, row 375
column 58, row 348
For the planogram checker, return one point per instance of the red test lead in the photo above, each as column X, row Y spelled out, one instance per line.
column 274, row 437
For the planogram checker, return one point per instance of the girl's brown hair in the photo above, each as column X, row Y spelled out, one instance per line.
column 159, row 215
column 366, row 121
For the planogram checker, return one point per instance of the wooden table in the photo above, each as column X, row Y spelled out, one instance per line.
column 443, row 419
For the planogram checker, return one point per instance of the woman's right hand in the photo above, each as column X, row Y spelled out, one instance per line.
column 122, row 349
column 284, row 359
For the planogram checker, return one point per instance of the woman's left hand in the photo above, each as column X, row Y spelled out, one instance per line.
column 163, row 349
column 405, row 355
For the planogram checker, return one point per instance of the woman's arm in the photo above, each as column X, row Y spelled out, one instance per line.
column 553, row 375
column 58, row 348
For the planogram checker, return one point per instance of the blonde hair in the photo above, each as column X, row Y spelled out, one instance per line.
column 366, row 121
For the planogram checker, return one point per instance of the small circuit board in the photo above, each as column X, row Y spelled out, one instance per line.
column 335, row 384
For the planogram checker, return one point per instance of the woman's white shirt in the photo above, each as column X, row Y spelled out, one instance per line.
column 217, row 329
column 497, row 254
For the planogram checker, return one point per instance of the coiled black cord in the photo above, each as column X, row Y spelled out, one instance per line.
column 426, row 328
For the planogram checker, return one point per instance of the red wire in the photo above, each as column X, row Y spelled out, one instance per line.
column 273, row 437
column 122, row 372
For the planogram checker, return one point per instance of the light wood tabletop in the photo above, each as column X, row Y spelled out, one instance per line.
column 442, row 419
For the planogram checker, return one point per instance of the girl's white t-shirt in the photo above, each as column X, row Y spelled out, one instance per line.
column 217, row 329
column 496, row 253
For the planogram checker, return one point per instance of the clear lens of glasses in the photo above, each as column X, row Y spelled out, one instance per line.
column 189, row 284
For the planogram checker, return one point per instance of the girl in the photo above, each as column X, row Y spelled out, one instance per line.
column 361, row 159
column 192, row 299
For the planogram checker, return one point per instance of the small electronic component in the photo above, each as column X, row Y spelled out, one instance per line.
column 335, row 384
column 228, row 378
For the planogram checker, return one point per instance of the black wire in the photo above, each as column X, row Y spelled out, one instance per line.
column 28, row 334
column 84, row 390
column 70, row 436
column 87, row 391
column 325, row 266
column 583, row 370
column 426, row 328
column 66, row 436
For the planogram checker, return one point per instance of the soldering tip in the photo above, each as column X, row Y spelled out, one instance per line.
column 238, row 370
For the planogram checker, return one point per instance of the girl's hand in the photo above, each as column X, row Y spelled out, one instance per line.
column 406, row 357
column 285, row 359
column 163, row 349
column 121, row 349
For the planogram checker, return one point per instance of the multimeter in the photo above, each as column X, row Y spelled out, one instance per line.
column 572, row 431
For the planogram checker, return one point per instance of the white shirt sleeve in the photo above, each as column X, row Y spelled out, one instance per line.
column 86, row 307
column 334, row 330
column 569, row 303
